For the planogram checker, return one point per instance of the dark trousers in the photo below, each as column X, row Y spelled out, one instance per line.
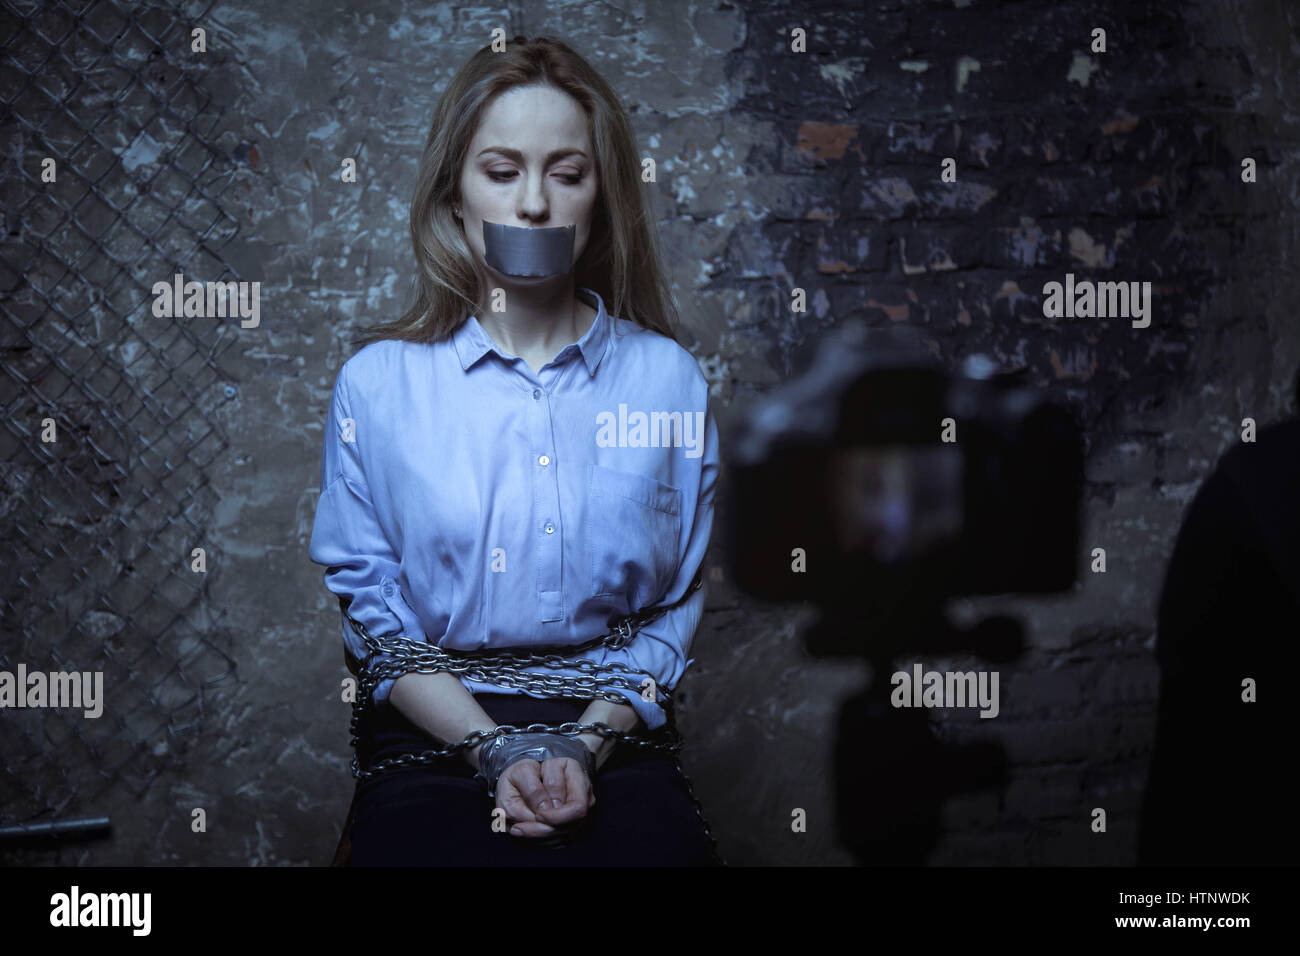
column 440, row 815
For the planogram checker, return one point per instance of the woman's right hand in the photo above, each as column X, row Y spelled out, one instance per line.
column 528, row 790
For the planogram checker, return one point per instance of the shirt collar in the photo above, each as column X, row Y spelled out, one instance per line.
column 472, row 342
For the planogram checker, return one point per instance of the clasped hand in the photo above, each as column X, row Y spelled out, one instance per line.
column 544, row 795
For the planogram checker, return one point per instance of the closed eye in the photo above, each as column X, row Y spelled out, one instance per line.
column 504, row 177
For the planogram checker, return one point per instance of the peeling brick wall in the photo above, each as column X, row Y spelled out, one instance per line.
column 779, row 170
column 1115, row 166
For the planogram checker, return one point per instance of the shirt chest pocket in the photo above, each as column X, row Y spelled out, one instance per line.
column 634, row 527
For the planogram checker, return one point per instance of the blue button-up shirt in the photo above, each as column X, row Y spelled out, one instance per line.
column 470, row 502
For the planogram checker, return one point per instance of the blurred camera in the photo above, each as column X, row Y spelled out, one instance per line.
column 875, row 471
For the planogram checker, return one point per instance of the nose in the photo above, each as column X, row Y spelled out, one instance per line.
column 534, row 206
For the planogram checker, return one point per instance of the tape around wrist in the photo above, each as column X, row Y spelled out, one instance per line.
column 500, row 752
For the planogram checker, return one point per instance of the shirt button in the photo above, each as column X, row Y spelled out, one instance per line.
column 543, row 460
column 550, row 528
column 537, row 393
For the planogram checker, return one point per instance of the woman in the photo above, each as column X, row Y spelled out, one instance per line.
column 516, row 462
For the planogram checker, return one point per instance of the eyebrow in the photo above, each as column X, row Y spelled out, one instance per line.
column 518, row 157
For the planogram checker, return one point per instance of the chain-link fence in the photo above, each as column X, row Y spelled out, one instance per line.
column 111, row 182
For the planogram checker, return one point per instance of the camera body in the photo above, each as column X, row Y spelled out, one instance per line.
column 875, row 470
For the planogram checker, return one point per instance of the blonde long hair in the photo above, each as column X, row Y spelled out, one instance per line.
column 621, row 260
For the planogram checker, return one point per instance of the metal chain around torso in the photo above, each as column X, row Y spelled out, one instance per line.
column 506, row 669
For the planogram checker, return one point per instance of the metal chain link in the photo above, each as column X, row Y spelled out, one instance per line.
column 506, row 669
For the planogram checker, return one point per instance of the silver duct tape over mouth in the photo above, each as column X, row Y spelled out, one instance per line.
column 519, row 251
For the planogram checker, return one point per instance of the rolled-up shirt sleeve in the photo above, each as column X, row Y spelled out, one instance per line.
column 660, row 652
column 348, row 539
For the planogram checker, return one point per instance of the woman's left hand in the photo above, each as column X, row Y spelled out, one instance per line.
column 541, row 795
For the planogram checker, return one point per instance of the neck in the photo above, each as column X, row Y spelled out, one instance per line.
column 538, row 318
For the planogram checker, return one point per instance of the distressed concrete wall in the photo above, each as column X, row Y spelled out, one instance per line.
column 780, row 170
